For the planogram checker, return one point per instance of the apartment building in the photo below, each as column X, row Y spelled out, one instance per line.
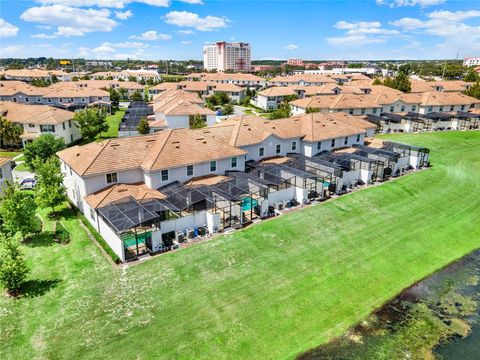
column 223, row 56
column 29, row 75
column 471, row 61
column 5, row 172
column 442, row 86
column 40, row 119
column 62, row 94
column 144, row 193
column 240, row 79
column 127, row 74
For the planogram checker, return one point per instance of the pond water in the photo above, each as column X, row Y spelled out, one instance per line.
column 437, row 318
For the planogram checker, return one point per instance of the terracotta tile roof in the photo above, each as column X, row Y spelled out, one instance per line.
column 163, row 150
column 313, row 78
column 105, row 84
column 34, row 73
column 67, row 92
column 168, row 95
column 433, row 98
column 139, row 191
column 34, row 114
column 249, row 129
column 207, row 180
column 341, row 101
column 447, row 85
column 165, row 86
column 231, row 77
column 20, row 87
column 184, row 107
column 279, row 91
column 4, row 160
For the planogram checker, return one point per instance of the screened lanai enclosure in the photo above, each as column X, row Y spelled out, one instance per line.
column 418, row 155
column 135, row 221
column 386, row 158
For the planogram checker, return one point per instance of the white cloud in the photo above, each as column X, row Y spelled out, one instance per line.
column 11, row 51
column 186, row 32
column 399, row 3
column 104, row 48
column 44, row 36
column 360, row 33
column 186, row 42
column 123, row 15
column 151, row 35
column 448, row 25
column 291, row 47
column 188, row 19
column 43, row 27
column 7, row 29
column 118, row 4
column 71, row 21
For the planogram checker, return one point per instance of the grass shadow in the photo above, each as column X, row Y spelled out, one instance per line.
column 66, row 213
column 44, row 239
column 36, row 287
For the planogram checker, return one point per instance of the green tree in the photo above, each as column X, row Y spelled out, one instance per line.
column 91, row 122
column 227, row 109
column 146, row 98
column 17, row 210
column 474, row 91
column 114, row 99
column 13, row 266
column 143, row 127
column 400, row 82
column 132, row 78
column 377, row 81
column 123, row 93
column 196, row 121
column 136, row 96
column 9, row 132
column 284, row 110
column 472, row 76
column 311, row 110
column 50, row 191
column 43, row 148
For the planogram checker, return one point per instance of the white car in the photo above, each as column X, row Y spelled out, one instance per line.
column 28, row 183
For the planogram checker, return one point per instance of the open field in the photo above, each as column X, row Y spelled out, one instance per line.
column 270, row 291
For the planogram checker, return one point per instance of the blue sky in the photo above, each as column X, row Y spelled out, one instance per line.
column 169, row 29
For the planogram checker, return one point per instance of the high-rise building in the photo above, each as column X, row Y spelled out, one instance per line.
column 223, row 56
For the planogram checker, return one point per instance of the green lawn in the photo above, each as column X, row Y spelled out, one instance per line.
column 270, row 291
column 9, row 153
column 113, row 122
column 22, row 167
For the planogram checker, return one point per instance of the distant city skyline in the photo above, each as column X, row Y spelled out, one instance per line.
column 276, row 30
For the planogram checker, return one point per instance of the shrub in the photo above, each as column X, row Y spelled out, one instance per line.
column 99, row 239
column 62, row 236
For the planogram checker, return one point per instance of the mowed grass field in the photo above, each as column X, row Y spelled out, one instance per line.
column 270, row 291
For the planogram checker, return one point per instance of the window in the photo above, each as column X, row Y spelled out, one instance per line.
column 374, row 110
column 414, row 107
column 234, row 162
column 164, row 175
column 278, row 149
column 63, row 125
column 100, row 98
column 92, row 214
column 333, row 143
column 27, row 99
column 47, row 128
column 31, row 125
column 294, row 145
column 402, row 109
column 1, row 173
column 345, row 141
column 83, row 99
column 71, row 99
column 71, row 138
column 189, row 170
column 392, row 108
column 441, row 108
column 430, row 108
column 2, row 99
column 39, row 99
column 350, row 111
column 69, row 123
column 362, row 111
column 213, row 166
column 111, row 178
column 452, row 107
column 49, row 100
column 463, row 107
column 358, row 137
column 261, row 152
column 319, row 145
column 14, row 99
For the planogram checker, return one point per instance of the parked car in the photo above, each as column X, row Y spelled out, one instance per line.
column 28, row 183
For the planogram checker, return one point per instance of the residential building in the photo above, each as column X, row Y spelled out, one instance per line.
column 5, row 172
column 144, row 194
column 40, row 119
column 127, row 74
column 177, row 108
column 271, row 98
column 302, row 80
column 471, row 61
column 223, row 56
column 30, row 75
column 442, row 86
column 240, row 79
